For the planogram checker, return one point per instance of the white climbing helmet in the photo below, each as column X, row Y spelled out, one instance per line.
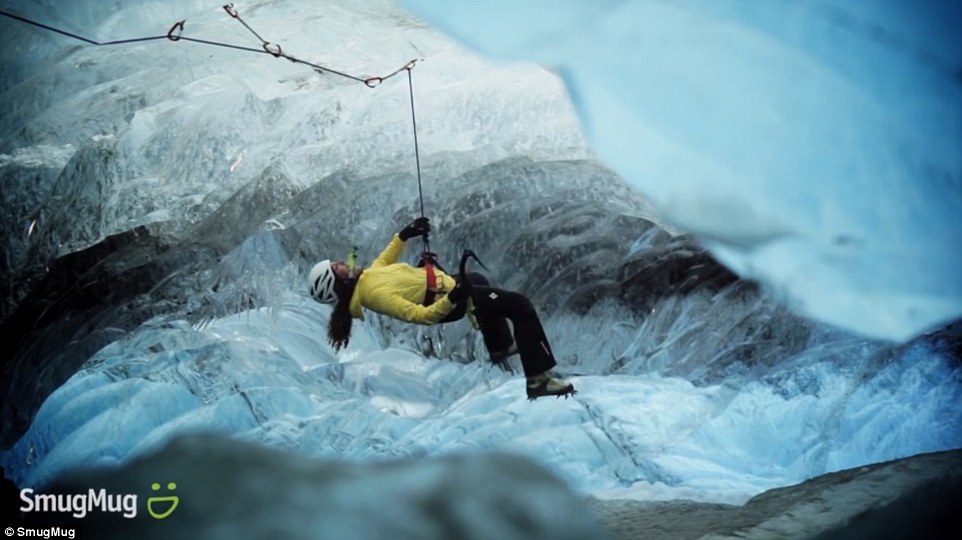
column 322, row 282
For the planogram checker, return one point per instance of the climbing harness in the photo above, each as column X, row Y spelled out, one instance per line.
column 431, row 289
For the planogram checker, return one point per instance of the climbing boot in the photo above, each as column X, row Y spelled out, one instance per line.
column 549, row 384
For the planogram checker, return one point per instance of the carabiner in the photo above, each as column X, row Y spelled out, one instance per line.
column 277, row 54
column 179, row 26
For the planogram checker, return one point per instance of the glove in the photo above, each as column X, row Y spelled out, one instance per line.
column 418, row 227
column 458, row 293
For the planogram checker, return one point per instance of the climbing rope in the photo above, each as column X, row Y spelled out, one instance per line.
column 75, row 36
column 430, row 258
column 414, row 126
column 176, row 34
column 427, row 256
column 276, row 51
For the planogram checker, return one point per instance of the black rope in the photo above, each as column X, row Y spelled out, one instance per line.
column 371, row 82
column 229, row 8
column 417, row 156
column 276, row 51
column 426, row 249
column 75, row 36
column 176, row 34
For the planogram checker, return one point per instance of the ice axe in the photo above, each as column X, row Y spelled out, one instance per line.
column 463, row 266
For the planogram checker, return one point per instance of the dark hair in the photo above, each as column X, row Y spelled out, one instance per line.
column 339, row 327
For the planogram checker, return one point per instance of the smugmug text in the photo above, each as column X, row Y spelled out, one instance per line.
column 79, row 504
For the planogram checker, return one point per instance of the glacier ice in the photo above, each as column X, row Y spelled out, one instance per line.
column 811, row 147
column 163, row 201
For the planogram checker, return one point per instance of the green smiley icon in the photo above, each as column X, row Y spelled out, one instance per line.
column 172, row 499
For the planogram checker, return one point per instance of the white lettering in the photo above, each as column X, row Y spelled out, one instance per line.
column 45, row 502
column 97, row 498
column 65, row 532
column 130, row 506
column 25, row 497
column 78, row 504
column 44, row 533
column 113, row 503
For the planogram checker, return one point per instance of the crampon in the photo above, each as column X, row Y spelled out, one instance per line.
column 551, row 387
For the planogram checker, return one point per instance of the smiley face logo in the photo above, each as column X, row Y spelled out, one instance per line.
column 168, row 499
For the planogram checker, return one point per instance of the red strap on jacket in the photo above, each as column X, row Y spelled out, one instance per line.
column 432, row 290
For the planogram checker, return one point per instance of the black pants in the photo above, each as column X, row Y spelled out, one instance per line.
column 493, row 308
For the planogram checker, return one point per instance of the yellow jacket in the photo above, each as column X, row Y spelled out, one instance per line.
column 397, row 289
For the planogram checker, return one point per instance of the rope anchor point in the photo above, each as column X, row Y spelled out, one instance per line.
column 274, row 50
column 179, row 27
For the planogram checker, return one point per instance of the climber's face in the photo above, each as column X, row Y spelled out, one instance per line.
column 343, row 271
column 340, row 269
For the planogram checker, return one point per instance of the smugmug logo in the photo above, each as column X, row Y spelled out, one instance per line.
column 173, row 500
column 81, row 504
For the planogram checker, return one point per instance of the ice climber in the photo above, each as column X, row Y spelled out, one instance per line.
column 401, row 291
